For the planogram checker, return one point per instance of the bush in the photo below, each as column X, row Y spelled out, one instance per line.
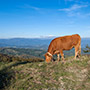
column 87, row 49
column 4, row 57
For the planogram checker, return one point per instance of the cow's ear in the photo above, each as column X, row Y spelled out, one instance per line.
column 45, row 54
column 50, row 55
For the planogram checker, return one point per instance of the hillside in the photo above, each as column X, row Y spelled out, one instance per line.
column 71, row 75
column 26, row 53
column 23, row 52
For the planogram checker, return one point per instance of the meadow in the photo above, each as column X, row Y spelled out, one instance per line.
column 23, row 75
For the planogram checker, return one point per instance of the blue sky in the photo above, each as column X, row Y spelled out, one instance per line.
column 42, row 18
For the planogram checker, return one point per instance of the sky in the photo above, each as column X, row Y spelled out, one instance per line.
column 43, row 18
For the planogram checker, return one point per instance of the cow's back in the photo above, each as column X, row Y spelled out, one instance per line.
column 65, row 42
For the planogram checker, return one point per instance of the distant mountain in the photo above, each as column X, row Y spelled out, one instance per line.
column 32, row 47
column 23, row 42
column 39, row 43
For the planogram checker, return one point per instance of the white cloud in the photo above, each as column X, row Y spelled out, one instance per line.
column 35, row 8
column 73, row 8
column 69, row 0
column 48, row 36
column 31, row 7
column 76, row 1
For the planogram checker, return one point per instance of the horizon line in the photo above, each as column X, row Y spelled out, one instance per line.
column 35, row 37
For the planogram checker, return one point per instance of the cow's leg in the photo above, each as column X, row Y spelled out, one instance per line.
column 76, row 51
column 58, row 57
column 62, row 55
column 79, row 52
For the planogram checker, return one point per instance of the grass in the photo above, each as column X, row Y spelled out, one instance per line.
column 71, row 75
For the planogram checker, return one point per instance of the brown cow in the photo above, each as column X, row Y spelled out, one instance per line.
column 58, row 45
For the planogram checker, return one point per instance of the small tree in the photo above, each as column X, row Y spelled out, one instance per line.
column 87, row 49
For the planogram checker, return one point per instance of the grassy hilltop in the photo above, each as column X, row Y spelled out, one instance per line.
column 21, row 75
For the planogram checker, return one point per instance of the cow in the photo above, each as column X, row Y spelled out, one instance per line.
column 58, row 45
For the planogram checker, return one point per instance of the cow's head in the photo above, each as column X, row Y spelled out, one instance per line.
column 48, row 57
